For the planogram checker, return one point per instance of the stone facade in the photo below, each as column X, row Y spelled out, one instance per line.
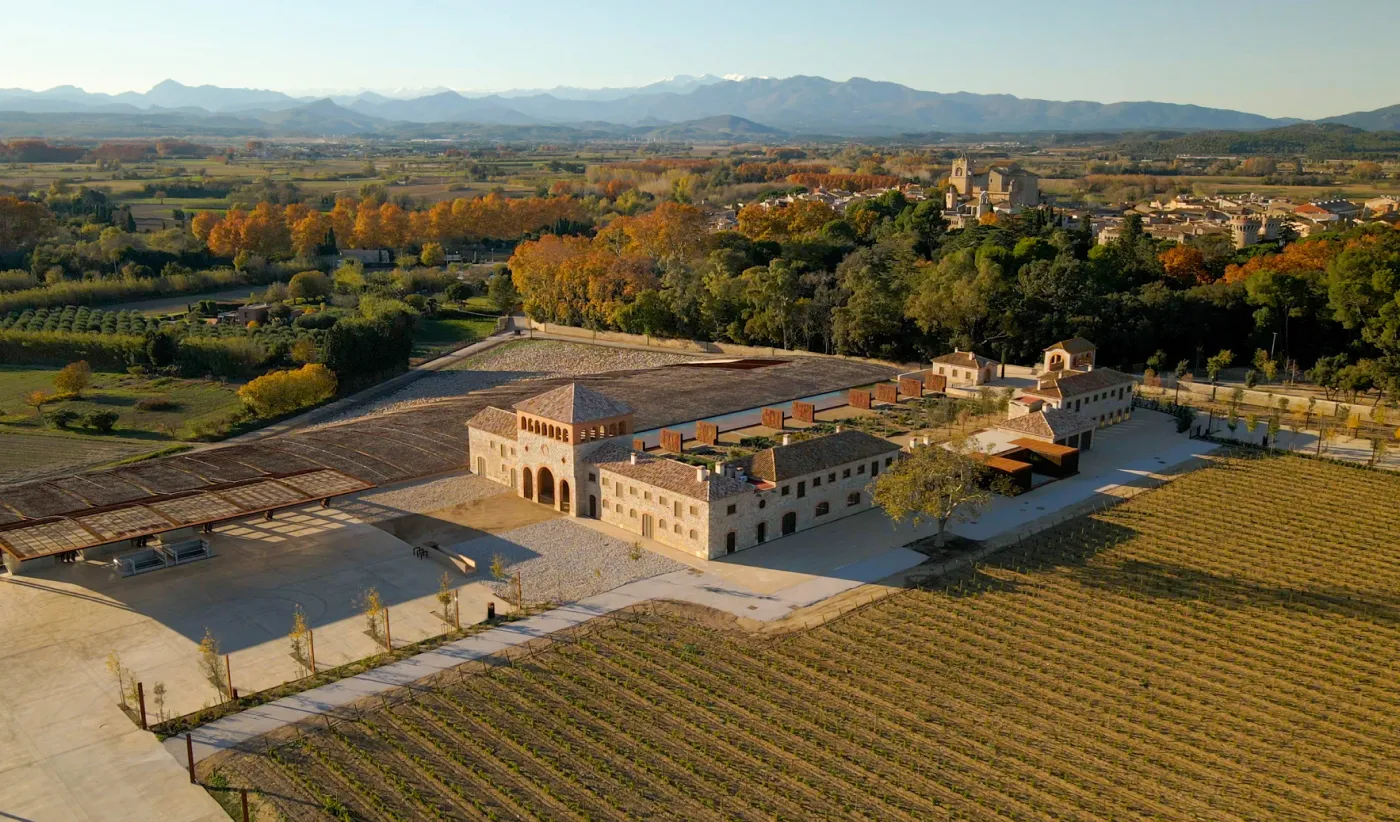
column 556, row 451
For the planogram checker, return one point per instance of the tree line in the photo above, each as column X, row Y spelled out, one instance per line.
column 887, row 279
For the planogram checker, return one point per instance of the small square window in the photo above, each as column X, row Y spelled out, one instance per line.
column 889, row 460
column 785, row 490
column 732, row 509
column 692, row 533
column 632, row 489
column 592, row 477
column 831, row 477
column 661, row 499
column 694, row 511
column 816, row 482
column 853, row 499
column 860, row 469
column 632, row 512
column 646, row 495
column 846, row 474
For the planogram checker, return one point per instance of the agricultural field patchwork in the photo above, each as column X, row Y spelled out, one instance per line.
column 1222, row 648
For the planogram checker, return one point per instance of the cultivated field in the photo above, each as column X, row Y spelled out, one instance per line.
column 1222, row 648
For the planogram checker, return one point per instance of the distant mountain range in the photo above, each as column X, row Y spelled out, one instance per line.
column 759, row 108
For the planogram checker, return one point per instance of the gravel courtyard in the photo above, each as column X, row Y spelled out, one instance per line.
column 511, row 362
column 562, row 561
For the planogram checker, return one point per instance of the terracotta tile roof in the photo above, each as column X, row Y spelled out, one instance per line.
column 496, row 421
column 1052, row 423
column 1078, row 383
column 667, row 474
column 1074, row 345
column 573, row 403
column 965, row 359
column 810, row 456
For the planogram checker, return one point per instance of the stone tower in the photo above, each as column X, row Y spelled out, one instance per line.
column 984, row 205
column 961, row 175
column 1244, row 230
column 950, row 199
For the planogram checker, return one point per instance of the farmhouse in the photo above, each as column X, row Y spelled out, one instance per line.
column 570, row 448
column 964, row 368
column 1069, row 382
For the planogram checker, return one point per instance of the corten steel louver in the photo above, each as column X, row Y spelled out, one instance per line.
column 196, row 509
column 260, row 495
column 43, row 539
column 30, row 539
column 323, row 483
column 124, row 523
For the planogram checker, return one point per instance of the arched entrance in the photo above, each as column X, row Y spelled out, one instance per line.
column 529, row 489
column 729, row 539
column 564, row 496
column 761, row 531
column 592, row 507
column 789, row 522
column 544, row 485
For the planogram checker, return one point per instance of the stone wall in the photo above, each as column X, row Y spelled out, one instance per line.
column 625, row 502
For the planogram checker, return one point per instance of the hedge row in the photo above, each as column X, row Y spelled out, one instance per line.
column 231, row 357
column 93, row 292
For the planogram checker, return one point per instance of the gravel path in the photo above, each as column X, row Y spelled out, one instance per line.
column 418, row 496
column 524, row 360
column 562, row 561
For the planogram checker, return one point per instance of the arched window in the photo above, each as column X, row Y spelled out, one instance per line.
column 663, row 525
column 678, row 528
column 693, row 535
column 823, row 508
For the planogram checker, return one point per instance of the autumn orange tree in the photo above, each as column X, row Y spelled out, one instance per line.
column 275, row 231
column 796, row 219
column 1308, row 256
column 582, row 281
column 844, row 182
column 1185, row 264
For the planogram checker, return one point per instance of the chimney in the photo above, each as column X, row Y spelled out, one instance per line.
column 926, row 439
column 722, row 469
column 634, row 457
column 702, row 473
column 838, row 429
column 787, row 439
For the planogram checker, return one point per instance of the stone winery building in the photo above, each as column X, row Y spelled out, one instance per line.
column 572, row 449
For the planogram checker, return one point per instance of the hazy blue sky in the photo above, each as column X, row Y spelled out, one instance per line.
column 1274, row 57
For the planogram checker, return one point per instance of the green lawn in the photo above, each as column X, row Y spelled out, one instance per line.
column 437, row 336
column 192, row 402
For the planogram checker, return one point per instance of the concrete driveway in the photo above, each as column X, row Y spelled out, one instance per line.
column 67, row 752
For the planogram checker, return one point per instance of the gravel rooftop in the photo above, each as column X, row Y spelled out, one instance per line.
column 562, row 561
column 512, row 362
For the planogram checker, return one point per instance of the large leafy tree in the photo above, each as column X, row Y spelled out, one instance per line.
column 936, row 484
